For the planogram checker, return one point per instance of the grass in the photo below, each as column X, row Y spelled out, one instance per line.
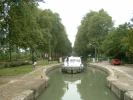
column 42, row 62
column 45, row 62
column 21, row 70
column 13, row 71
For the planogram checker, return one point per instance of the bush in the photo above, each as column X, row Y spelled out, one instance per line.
column 13, row 64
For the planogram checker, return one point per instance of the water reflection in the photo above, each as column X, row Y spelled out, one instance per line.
column 89, row 85
column 71, row 92
column 56, row 87
column 93, row 86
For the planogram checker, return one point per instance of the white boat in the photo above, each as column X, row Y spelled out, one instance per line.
column 72, row 65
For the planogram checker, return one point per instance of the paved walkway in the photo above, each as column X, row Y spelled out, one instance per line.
column 120, row 80
column 119, row 69
column 123, row 73
column 28, row 82
column 6, row 79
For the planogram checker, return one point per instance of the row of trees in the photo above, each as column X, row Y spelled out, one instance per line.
column 118, row 43
column 97, row 37
column 25, row 27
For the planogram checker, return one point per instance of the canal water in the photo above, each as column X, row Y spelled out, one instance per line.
column 89, row 85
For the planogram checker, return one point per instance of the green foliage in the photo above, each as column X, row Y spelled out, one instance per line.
column 13, row 64
column 16, row 70
column 113, row 44
column 23, row 27
column 118, row 43
column 94, row 27
column 55, row 39
column 31, row 29
column 130, row 40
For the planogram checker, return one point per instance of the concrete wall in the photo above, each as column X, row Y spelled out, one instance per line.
column 117, row 87
column 32, row 94
column 120, row 89
column 128, row 95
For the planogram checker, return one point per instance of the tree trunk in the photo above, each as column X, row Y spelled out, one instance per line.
column 10, row 51
column 33, row 57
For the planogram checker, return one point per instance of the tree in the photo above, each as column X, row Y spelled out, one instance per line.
column 117, row 43
column 6, row 18
column 30, row 28
column 23, row 29
column 93, row 29
column 55, row 42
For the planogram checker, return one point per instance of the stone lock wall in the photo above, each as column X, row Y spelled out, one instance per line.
column 36, row 91
column 122, row 89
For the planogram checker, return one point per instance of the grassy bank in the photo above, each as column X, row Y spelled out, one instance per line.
column 16, row 70
column 13, row 71
column 45, row 62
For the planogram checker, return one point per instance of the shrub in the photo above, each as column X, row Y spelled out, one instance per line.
column 13, row 64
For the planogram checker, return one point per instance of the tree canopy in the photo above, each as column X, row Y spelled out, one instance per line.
column 24, row 26
column 96, row 37
column 118, row 43
column 93, row 29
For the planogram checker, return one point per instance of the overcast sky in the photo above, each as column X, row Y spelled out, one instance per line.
column 72, row 11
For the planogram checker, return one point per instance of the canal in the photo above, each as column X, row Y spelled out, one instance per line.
column 89, row 85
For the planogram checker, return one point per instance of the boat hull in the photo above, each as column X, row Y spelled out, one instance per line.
column 72, row 70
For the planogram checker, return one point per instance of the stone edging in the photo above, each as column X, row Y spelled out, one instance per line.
column 115, row 85
column 32, row 94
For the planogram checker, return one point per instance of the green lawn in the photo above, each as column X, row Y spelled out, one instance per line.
column 15, row 70
column 45, row 62
column 42, row 62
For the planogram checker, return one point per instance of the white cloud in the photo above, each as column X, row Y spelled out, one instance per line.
column 72, row 11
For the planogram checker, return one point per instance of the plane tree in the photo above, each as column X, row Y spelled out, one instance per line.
column 93, row 29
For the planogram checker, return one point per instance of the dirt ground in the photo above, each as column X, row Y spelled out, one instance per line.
column 6, row 79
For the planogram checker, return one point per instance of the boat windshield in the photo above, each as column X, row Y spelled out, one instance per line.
column 75, row 60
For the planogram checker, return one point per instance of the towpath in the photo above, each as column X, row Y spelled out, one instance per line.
column 120, row 79
column 26, row 86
